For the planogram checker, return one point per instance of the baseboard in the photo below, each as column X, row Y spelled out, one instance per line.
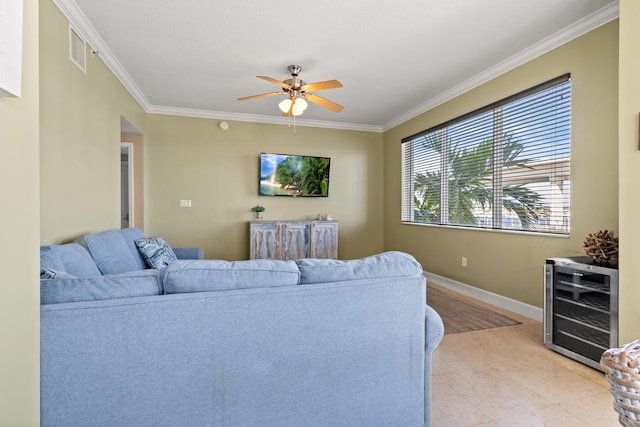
column 526, row 310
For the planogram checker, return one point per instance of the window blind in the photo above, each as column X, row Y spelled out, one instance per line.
column 503, row 166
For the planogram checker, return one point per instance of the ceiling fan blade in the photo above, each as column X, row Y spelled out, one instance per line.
column 329, row 84
column 262, row 95
column 274, row 81
column 323, row 102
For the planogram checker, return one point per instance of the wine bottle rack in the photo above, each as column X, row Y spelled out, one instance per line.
column 581, row 308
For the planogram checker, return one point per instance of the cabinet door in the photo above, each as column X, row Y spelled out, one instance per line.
column 265, row 241
column 295, row 240
column 323, row 240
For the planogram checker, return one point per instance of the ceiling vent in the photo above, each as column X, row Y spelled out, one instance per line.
column 77, row 50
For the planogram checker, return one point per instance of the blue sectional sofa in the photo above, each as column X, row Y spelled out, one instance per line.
column 102, row 266
column 246, row 343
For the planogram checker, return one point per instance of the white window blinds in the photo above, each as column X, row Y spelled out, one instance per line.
column 504, row 166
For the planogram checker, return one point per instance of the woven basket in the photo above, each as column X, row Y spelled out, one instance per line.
column 622, row 367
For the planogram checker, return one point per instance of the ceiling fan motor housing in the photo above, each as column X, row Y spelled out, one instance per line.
column 294, row 70
column 295, row 84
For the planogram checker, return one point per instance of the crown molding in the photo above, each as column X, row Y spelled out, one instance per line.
column 221, row 115
column 85, row 29
column 577, row 29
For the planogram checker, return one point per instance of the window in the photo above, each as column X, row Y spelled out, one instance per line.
column 505, row 166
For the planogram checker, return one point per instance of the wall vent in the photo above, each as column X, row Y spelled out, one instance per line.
column 77, row 50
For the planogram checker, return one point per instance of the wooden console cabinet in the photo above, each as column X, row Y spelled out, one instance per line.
column 287, row 240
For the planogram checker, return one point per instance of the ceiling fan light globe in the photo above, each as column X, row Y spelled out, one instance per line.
column 299, row 105
column 285, row 105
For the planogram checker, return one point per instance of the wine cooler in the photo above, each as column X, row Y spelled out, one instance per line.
column 580, row 308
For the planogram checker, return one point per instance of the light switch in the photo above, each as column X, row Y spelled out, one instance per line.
column 185, row 203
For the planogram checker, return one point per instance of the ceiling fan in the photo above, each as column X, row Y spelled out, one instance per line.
column 298, row 91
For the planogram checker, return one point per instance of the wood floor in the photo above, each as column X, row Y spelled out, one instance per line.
column 506, row 377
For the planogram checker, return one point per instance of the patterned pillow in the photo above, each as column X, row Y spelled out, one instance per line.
column 47, row 274
column 156, row 252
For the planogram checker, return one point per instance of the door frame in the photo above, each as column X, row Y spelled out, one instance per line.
column 127, row 149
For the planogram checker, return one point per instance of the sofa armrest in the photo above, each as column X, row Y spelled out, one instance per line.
column 433, row 332
column 434, row 329
column 189, row 253
column 125, row 285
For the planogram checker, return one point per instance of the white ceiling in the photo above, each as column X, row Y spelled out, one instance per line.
column 396, row 59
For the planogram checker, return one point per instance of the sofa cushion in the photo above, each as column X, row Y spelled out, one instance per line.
column 216, row 275
column 71, row 258
column 386, row 264
column 188, row 253
column 73, row 289
column 50, row 260
column 156, row 252
column 111, row 252
column 130, row 236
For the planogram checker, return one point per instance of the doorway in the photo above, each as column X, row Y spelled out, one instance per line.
column 126, row 185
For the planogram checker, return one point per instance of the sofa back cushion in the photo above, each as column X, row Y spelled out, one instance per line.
column 63, row 289
column 114, row 251
column 217, row 275
column 386, row 264
column 130, row 235
column 71, row 258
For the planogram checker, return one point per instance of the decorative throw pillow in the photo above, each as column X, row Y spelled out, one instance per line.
column 156, row 252
column 47, row 274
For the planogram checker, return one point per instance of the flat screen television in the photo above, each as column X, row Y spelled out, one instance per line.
column 294, row 175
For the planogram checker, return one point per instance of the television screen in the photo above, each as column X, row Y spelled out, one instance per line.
column 292, row 175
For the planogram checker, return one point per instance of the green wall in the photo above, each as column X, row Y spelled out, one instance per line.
column 511, row 264
column 190, row 158
column 19, row 228
column 80, row 136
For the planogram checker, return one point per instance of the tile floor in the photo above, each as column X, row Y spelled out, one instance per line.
column 506, row 377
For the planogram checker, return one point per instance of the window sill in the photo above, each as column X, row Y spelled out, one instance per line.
column 490, row 230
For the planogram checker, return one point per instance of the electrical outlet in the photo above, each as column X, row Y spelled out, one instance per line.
column 464, row 261
column 185, row 203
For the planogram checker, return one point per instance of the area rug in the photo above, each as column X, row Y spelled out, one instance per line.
column 459, row 315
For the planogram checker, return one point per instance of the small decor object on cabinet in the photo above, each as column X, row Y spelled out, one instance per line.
column 257, row 212
column 602, row 247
